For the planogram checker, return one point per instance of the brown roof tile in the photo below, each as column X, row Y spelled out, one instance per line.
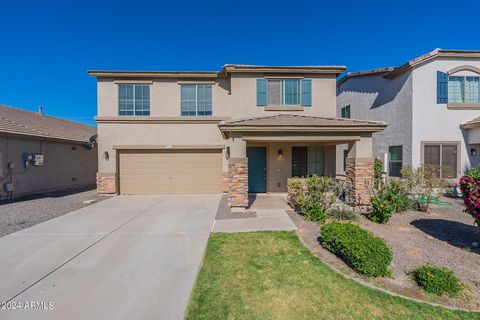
column 23, row 122
column 292, row 120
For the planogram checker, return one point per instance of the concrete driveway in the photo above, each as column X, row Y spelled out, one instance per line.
column 129, row 257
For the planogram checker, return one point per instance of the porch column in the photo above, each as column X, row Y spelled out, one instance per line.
column 359, row 170
column 237, row 177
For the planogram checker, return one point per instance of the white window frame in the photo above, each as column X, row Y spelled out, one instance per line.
column 282, row 93
column 134, row 85
column 196, row 99
column 464, row 93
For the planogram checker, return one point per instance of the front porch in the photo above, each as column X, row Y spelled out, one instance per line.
column 264, row 152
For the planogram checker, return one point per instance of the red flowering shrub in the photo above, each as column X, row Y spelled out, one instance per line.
column 470, row 186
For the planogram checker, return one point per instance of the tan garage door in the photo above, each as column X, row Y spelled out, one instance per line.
column 170, row 171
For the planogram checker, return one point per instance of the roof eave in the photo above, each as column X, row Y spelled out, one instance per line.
column 48, row 138
column 264, row 128
column 151, row 74
column 337, row 70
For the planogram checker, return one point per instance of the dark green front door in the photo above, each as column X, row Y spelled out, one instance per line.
column 257, row 169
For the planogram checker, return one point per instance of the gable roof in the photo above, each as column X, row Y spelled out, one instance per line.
column 28, row 123
column 283, row 120
column 391, row 72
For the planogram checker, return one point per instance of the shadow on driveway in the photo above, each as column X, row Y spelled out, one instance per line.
column 455, row 233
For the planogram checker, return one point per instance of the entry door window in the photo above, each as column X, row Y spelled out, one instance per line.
column 307, row 161
column 443, row 156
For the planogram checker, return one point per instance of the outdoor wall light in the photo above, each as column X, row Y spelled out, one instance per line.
column 280, row 153
column 106, row 156
column 473, row 152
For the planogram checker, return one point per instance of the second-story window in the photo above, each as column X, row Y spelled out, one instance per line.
column 345, row 112
column 196, row 100
column 287, row 92
column 133, row 100
column 458, row 89
column 283, row 92
column 463, row 89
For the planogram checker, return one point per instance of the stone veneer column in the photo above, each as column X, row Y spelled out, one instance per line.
column 237, row 181
column 106, row 183
column 359, row 175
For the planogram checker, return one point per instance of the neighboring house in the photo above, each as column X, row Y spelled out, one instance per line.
column 431, row 105
column 39, row 153
column 192, row 132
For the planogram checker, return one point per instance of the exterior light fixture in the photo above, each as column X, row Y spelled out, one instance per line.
column 473, row 152
column 280, row 153
column 106, row 156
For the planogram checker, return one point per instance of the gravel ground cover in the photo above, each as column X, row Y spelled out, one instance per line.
column 31, row 210
column 444, row 236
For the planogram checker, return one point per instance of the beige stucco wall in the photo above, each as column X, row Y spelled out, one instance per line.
column 233, row 97
column 63, row 167
column 244, row 98
column 153, row 134
column 164, row 97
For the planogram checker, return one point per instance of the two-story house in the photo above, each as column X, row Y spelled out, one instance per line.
column 242, row 129
column 431, row 105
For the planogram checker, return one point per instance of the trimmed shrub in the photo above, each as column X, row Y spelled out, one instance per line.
column 437, row 280
column 360, row 249
column 342, row 214
column 390, row 198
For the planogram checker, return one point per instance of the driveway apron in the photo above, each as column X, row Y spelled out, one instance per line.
column 129, row 257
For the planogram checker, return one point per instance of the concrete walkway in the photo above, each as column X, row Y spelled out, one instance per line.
column 129, row 257
column 271, row 216
column 266, row 220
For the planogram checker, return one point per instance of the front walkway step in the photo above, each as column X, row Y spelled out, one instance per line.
column 266, row 220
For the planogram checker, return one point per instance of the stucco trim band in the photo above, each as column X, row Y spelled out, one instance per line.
column 144, row 119
column 167, row 147
column 295, row 138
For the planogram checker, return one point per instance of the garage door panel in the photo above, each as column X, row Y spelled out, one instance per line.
column 170, row 171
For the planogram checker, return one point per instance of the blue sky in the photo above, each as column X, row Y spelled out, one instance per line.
column 46, row 47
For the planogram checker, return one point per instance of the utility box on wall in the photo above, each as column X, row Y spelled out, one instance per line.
column 38, row 160
column 9, row 187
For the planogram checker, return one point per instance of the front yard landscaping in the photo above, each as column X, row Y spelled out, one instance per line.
column 272, row 275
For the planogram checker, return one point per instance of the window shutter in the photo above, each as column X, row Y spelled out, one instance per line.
column 261, row 92
column 442, row 87
column 306, row 92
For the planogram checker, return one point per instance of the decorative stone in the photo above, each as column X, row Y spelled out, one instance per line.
column 359, row 177
column 237, row 181
column 106, row 184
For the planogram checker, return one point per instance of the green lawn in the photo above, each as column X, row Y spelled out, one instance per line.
column 271, row 275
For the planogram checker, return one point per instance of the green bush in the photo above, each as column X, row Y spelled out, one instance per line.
column 361, row 250
column 437, row 280
column 343, row 214
column 390, row 198
column 312, row 209
column 473, row 173
column 382, row 210
column 315, row 195
column 377, row 173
